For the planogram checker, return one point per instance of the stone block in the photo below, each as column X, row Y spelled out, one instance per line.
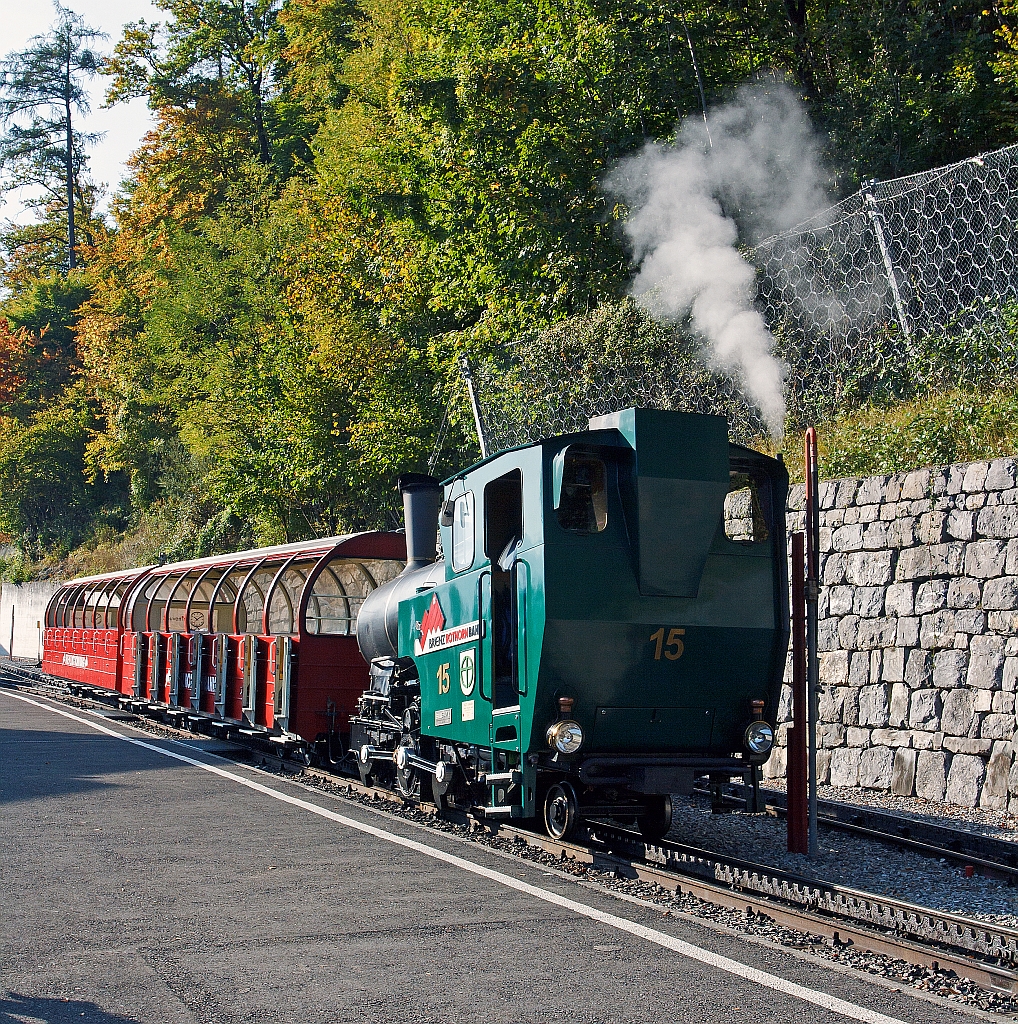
column 900, row 532
column 874, row 633
column 931, row 528
column 828, row 489
column 968, row 745
column 823, row 767
column 871, row 490
column 903, row 772
column 1009, row 677
column 827, row 635
column 925, row 741
column 963, row 593
column 965, row 779
column 982, row 700
column 834, row 668
column 985, row 559
column 969, row 620
column 1000, row 476
column 975, row 501
column 891, row 738
column 998, row 521
column 892, row 489
column 845, row 767
column 1002, row 622
column 785, row 704
column 957, row 716
column 831, row 700
column 868, row 602
column 898, row 710
column 931, row 596
column 874, row 537
column 830, row 735
column 875, row 767
column 1001, row 593
column 850, row 709
column 975, row 477
column 859, row 669
column 870, row 514
column 949, row 668
column 924, row 710
column 796, row 501
column 918, row 667
column 834, row 569
column 1012, row 779
column 1011, row 564
column 856, row 737
column 986, row 662
column 852, row 516
column 995, row 788
column 774, row 767
column 916, row 485
column 908, row 633
column 937, row 629
column 868, row 568
column 840, row 600
column 1009, row 497
column 1002, row 703
column 997, row 727
column 848, row 632
column 873, row 705
column 931, row 775
column 900, row 599
column 893, row 669
column 846, row 493
column 847, row 538
column 960, row 525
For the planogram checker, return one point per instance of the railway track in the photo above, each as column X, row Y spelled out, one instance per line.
column 985, row 953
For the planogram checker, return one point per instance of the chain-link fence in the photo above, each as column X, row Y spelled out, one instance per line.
column 906, row 285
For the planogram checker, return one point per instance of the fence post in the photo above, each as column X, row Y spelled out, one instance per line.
column 877, row 220
column 812, row 599
column 797, row 766
column 482, row 434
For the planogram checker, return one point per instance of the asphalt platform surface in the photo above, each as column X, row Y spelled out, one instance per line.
column 137, row 887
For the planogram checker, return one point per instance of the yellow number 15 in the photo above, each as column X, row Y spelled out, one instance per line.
column 443, row 677
column 672, row 648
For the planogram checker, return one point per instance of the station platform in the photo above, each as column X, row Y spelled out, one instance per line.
column 147, row 881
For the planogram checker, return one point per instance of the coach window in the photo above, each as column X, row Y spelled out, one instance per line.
column 583, row 503
column 463, row 532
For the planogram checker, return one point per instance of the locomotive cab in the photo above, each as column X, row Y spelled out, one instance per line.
column 608, row 619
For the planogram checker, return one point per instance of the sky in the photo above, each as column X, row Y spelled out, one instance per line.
column 123, row 125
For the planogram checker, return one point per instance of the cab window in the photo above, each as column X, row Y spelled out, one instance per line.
column 583, row 505
column 463, row 532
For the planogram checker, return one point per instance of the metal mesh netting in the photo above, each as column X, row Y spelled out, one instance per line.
column 908, row 284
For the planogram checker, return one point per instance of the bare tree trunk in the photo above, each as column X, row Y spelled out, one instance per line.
column 72, row 260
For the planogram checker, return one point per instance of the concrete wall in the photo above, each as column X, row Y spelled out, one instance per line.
column 22, row 607
column 918, row 634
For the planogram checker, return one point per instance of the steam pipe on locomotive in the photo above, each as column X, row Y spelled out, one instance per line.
column 608, row 619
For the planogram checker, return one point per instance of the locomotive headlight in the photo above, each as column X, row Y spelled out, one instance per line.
column 566, row 736
column 758, row 738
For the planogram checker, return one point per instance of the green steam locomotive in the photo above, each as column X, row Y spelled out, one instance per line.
column 608, row 619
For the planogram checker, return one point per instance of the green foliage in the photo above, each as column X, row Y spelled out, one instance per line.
column 954, row 426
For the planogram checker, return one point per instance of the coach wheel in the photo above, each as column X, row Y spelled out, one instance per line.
column 656, row 819
column 560, row 810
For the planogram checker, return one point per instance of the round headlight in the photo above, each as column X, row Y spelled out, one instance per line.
column 759, row 738
column 566, row 737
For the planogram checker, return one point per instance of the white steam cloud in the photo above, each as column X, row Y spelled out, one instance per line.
column 687, row 203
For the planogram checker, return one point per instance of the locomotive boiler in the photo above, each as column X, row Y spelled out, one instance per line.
column 607, row 620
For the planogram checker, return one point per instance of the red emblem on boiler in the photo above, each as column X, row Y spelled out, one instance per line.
column 432, row 620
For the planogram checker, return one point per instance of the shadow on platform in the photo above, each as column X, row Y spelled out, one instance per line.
column 16, row 1008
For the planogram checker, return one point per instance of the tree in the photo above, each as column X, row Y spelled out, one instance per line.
column 41, row 91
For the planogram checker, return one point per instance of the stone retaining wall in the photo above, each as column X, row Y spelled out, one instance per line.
column 918, row 634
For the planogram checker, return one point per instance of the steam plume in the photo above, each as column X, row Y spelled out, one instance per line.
column 687, row 203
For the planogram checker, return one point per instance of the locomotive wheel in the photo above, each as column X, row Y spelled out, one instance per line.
column 408, row 778
column 656, row 820
column 560, row 811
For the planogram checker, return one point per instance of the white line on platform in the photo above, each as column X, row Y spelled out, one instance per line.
column 722, row 963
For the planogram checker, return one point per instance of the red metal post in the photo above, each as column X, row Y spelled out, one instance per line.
column 797, row 764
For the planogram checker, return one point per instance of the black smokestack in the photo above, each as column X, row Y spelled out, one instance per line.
column 422, row 496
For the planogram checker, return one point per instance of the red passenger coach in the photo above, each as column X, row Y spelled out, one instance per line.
column 261, row 641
